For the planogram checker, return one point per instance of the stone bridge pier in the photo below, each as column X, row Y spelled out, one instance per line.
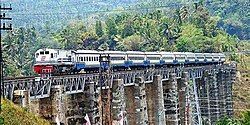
column 167, row 97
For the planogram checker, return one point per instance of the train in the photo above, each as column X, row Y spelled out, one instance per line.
column 75, row 61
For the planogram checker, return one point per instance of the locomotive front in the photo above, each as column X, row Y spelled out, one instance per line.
column 50, row 61
column 44, row 61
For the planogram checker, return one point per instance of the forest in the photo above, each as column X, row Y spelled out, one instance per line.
column 188, row 28
column 150, row 25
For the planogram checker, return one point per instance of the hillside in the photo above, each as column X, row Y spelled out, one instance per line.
column 241, row 87
column 233, row 14
column 14, row 115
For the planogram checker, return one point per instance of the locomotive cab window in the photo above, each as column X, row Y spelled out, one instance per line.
column 46, row 52
column 37, row 54
column 41, row 52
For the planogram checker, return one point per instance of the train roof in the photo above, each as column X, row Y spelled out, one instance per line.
column 179, row 53
column 166, row 53
column 151, row 53
column 46, row 49
column 86, row 52
column 114, row 52
column 134, row 52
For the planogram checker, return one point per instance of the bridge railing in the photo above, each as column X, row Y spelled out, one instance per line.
column 40, row 88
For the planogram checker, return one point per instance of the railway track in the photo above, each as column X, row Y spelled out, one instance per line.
column 8, row 79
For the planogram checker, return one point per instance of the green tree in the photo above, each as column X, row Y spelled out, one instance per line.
column 228, row 121
column 19, row 47
column 70, row 36
column 98, row 28
column 128, row 30
column 131, row 43
column 111, row 27
column 191, row 39
column 246, row 118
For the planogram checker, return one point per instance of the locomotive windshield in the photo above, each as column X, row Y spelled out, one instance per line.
column 41, row 52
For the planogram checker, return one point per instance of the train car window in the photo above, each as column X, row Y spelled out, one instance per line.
column 117, row 58
column 209, row 57
column 136, row 58
column 168, row 58
column 37, row 54
column 97, row 58
column 46, row 52
column 191, row 57
column 41, row 52
column 180, row 58
column 82, row 59
column 51, row 55
column 87, row 59
column 153, row 58
column 55, row 55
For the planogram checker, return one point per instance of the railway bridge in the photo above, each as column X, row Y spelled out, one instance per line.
column 157, row 96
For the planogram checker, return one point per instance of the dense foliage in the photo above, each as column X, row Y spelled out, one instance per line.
column 190, row 28
column 14, row 115
column 243, row 120
column 233, row 15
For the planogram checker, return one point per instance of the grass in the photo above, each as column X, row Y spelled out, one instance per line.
column 15, row 115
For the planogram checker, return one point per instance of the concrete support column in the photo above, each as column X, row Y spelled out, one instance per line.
column 130, row 105
column 75, row 108
column 155, row 102
column 57, row 104
column 230, row 78
column 22, row 98
column 222, row 92
column 213, row 91
column 140, row 102
column 118, row 102
column 182, row 96
column 105, row 106
column 171, row 100
column 90, row 105
column 204, row 99
column 34, row 106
